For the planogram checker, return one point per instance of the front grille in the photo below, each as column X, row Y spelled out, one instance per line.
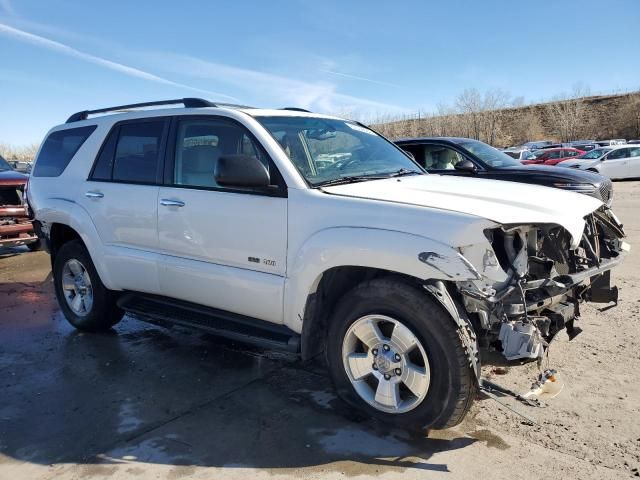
column 605, row 192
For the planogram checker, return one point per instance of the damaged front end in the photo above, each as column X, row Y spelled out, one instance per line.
column 16, row 228
column 534, row 277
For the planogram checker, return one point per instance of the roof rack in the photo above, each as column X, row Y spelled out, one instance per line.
column 187, row 102
column 296, row 109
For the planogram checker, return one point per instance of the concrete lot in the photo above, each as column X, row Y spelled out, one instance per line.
column 146, row 402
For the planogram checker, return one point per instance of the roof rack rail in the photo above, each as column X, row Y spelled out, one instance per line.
column 296, row 109
column 187, row 102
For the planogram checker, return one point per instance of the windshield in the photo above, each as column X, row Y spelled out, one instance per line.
column 4, row 165
column 488, row 154
column 330, row 151
column 596, row 153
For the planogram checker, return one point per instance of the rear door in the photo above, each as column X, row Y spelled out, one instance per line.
column 633, row 167
column 222, row 247
column 121, row 196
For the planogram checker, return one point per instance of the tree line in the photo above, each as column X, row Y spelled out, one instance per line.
column 499, row 119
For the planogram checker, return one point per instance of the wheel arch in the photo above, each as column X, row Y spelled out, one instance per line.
column 64, row 221
column 334, row 261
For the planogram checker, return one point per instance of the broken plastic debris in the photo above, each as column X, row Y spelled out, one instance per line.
column 549, row 385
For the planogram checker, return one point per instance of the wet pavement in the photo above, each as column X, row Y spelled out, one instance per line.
column 142, row 393
column 143, row 401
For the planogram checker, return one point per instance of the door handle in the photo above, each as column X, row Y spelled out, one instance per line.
column 94, row 195
column 171, row 203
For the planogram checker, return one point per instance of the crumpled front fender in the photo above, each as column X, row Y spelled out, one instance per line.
column 399, row 252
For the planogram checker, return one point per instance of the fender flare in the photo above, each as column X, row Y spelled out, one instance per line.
column 398, row 252
column 69, row 213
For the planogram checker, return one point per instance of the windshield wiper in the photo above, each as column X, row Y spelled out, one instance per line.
column 403, row 172
column 349, row 179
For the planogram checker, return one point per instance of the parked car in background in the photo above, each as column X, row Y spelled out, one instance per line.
column 519, row 153
column 585, row 145
column 633, row 142
column 611, row 142
column 316, row 235
column 537, row 145
column 16, row 227
column 20, row 166
column 615, row 162
column 552, row 156
column 472, row 158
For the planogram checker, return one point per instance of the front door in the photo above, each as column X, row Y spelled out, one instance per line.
column 222, row 247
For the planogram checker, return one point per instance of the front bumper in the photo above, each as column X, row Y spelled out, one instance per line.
column 560, row 287
column 16, row 234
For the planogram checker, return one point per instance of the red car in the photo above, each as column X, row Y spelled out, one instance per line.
column 15, row 225
column 552, row 156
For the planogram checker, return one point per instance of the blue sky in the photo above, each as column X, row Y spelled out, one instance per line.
column 362, row 58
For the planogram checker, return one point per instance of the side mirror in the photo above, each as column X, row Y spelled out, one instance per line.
column 466, row 166
column 241, row 171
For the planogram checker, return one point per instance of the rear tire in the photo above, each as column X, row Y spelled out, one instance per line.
column 404, row 314
column 86, row 303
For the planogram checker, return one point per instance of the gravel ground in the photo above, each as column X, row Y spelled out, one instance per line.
column 146, row 402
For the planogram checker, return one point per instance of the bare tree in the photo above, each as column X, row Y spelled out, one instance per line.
column 25, row 153
column 567, row 115
column 629, row 117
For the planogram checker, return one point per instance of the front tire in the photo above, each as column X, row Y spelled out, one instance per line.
column 394, row 353
column 86, row 303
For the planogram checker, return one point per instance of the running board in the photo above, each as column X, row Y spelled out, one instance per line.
column 156, row 309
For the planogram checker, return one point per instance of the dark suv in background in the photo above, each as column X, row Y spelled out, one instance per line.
column 468, row 157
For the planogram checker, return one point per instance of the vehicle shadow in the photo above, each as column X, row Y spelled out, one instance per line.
column 177, row 397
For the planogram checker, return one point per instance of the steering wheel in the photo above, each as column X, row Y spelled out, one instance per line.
column 344, row 163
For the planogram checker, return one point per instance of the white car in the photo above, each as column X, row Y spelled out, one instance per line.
column 230, row 219
column 615, row 162
column 520, row 153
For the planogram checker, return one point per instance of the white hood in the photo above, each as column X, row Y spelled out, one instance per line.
column 499, row 201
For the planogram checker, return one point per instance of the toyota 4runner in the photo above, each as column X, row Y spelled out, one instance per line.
column 314, row 234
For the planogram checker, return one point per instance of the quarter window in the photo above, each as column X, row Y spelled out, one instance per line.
column 58, row 150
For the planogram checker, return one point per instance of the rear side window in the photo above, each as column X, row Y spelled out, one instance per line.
column 58, row 150
column 131, row 153
column 138, row 152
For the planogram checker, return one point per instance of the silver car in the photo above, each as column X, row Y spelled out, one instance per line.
column 615, row 162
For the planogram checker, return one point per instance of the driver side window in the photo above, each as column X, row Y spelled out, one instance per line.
column 199, row 145
column 617, row 154
column 438, row 157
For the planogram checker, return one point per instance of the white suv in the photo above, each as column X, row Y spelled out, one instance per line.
column 315, row 234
